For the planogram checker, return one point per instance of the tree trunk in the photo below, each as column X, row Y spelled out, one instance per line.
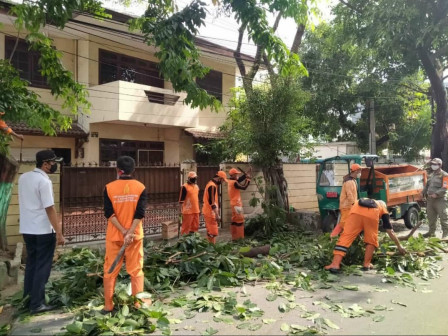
column 439, row 146
column 276, row 190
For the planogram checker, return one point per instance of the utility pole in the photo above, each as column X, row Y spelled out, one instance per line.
column 372, row 138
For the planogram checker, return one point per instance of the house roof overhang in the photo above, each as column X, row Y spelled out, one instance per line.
column 75, row 132
column 199, row 133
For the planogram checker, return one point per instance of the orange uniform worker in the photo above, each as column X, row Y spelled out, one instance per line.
column 189, row 200
column 210, row 208
column 8, row 130
column 235, row 184
column 349, row 195
column 364, row 216
column 124, row 207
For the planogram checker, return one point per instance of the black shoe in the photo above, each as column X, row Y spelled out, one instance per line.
column 112, row 312
column 42, row 309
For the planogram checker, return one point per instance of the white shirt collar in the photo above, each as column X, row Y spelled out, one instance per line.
column 38, row 170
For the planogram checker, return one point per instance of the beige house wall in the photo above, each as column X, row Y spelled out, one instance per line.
column 178, row 146
column 13, row 235
column 33, row 144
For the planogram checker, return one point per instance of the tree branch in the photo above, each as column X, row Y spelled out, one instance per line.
column 237, row 56
column 256, row 66
column 277, row 21
column 350, row 6
column 416, row 89
column 298, row 38
column 272, row 74
column 382, row 140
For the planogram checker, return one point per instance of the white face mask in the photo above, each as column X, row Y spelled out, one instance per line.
column 358, row 175
column 435, row 167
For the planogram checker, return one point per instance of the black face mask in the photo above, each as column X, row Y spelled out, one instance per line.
column 53, row 168
column 218, row 182
column 192, row 180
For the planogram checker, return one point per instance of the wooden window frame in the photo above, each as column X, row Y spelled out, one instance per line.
column 143, row 71
column 32, row 74
column 151, row 146
column 212, row 83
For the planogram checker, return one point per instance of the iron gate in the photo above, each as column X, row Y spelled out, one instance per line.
column 82, row 199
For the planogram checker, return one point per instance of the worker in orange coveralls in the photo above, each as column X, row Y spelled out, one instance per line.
column 8, row 130
column 210, row 208
column 349, row 195
column 124, row 207
column 364, row 216
column 235, row 184
column 189, row 200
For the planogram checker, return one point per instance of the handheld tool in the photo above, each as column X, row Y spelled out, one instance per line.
column 117, row 259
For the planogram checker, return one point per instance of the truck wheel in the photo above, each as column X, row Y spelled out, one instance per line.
column 411, row 217
column 329, row 223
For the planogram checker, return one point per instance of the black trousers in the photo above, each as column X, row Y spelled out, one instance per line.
column 40, row 252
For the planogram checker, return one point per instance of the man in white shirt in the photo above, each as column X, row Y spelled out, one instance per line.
column 40, row 227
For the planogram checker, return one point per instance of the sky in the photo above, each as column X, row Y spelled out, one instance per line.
column 224, row 30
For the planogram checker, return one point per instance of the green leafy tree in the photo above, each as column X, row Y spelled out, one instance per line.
column 265, row 125
column 409, row 35
column 172, row 33
column 344, row 77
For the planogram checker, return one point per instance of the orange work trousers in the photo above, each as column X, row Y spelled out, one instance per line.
column 190, row 223
column 134, row 266
column 212, row 228
column 237, row 226
column 344, row 215
column 354, row 225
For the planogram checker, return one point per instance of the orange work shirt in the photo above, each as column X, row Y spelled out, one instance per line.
column 374, row 213
column 349, row 194
column 190, row 204
column 4, row 127
column 124, row 195
column 234, row 194
column 210, row 199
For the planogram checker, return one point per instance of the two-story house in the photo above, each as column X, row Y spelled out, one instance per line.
column 134, row 110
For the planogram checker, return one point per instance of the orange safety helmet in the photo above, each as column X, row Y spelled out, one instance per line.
column 234, row 171
column 222, row 175
column 354, row 167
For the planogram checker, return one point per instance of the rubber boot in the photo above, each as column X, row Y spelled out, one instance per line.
column 370, row 249
column 211, row 239
column 109, row 288
column 336, row 231
column 335, row 265
column 137, row 284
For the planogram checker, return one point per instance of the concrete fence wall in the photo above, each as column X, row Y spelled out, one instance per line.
column 301, row 180
column 12, row 221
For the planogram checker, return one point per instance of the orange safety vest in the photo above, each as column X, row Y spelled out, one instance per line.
column 124, row 195
column 191, row 202
column 374, row 213
column 349, row 194
column 207, row 208
column 234, row 194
